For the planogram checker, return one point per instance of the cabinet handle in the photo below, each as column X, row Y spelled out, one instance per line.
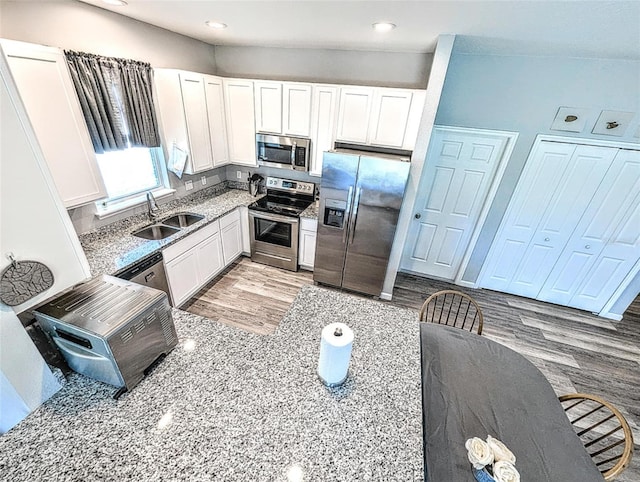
column 418, row 216
column 546, row 239
column 588, row 246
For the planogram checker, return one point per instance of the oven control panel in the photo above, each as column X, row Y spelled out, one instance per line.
column 290, row 185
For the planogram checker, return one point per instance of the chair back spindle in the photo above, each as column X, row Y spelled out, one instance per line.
column 603, row 430
column 453, row 308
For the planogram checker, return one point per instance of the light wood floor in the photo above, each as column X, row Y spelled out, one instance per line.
column 576, row 351
column 250, row 296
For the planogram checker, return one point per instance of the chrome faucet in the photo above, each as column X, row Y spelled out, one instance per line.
column 152, row 206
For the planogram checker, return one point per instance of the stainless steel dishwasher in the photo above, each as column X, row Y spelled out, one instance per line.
column 148, row 272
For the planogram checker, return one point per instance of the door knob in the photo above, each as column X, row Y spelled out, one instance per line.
column 546, row 239
column 418, row 216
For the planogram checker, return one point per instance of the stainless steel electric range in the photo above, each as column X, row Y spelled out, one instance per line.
column 274, row 220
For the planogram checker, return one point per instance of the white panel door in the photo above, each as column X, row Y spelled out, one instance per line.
column 268, row 107
column 239, row 112
column 195, row 113
column 44, row 83
column 389, row 117
column 458, row 174
column 604, row 245
column 558, row 183
column 354, row 113
column 217, row 124
column 296, row 109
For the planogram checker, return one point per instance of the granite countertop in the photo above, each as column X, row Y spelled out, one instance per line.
column 111, row 249
column 230, row 405
column 311, row 212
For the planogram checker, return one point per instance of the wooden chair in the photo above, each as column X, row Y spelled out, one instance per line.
column 452, row 308
column 603, row 431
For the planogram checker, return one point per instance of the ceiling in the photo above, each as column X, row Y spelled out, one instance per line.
column 575, row 28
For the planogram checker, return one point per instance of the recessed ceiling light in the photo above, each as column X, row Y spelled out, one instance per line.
column 383, row 26
column 212, row 24
column 117, row 3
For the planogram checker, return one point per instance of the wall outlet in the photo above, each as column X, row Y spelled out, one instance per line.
column 188, row 185
column 203, row 179
column 239, row 174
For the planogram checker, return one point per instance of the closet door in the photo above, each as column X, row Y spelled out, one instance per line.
column 558, row 183
column 604, row 246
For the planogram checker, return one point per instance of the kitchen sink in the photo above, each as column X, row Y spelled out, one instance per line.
column 182, row 220
column 155, row 231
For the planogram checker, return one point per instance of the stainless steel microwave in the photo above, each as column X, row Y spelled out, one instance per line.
column 283, row 152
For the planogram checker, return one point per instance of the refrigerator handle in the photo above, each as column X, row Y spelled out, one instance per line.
column 356, row 203
column 345, row 231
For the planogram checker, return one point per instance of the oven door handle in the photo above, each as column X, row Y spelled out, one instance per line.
column 273, row 217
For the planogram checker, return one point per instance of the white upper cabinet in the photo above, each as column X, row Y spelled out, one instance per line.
column 240, row 115
column 191, row 113
column 43, row 81
column 323, row 125
column 389, row 117
column 354, row 113
column 296, row 109
column 283, row 108
column 217, row 123
column 195, row 114
column 268, row 97
column 380, row 116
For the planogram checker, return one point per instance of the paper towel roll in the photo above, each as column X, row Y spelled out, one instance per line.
column 335, row 353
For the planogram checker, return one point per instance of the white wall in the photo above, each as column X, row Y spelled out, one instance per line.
column 77, row 26
column 389, row 69
column 522, row 94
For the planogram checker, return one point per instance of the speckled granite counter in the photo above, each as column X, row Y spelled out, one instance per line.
column 311, row 212
column 112, row 248
column 232, row 406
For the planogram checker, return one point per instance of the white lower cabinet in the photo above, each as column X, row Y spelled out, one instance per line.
column 210, row 259
column 192, row 262
column 231, row 233
column 182, row 275
column 307, row 243
column 195, row 260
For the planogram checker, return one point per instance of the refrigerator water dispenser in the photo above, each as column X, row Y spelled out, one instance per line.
column 334, row 211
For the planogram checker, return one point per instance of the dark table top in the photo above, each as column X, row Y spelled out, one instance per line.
column 474, row 387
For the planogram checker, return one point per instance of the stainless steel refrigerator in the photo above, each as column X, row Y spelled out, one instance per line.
column 360, row 198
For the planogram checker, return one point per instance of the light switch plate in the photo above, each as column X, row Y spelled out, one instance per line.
column 188, row 185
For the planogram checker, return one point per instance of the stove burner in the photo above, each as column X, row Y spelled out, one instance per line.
column 285, row 197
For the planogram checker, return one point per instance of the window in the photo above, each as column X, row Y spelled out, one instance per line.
column 130, row 171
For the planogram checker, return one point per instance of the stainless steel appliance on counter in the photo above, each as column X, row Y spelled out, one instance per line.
column 110, row 329
column 284, row 152
column 360, row 198
column 274, row 222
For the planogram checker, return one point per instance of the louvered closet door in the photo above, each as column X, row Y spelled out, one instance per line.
column 558, row 183
column 606, row 243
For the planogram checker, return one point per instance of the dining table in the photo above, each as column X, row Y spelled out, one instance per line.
column 475, row 387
